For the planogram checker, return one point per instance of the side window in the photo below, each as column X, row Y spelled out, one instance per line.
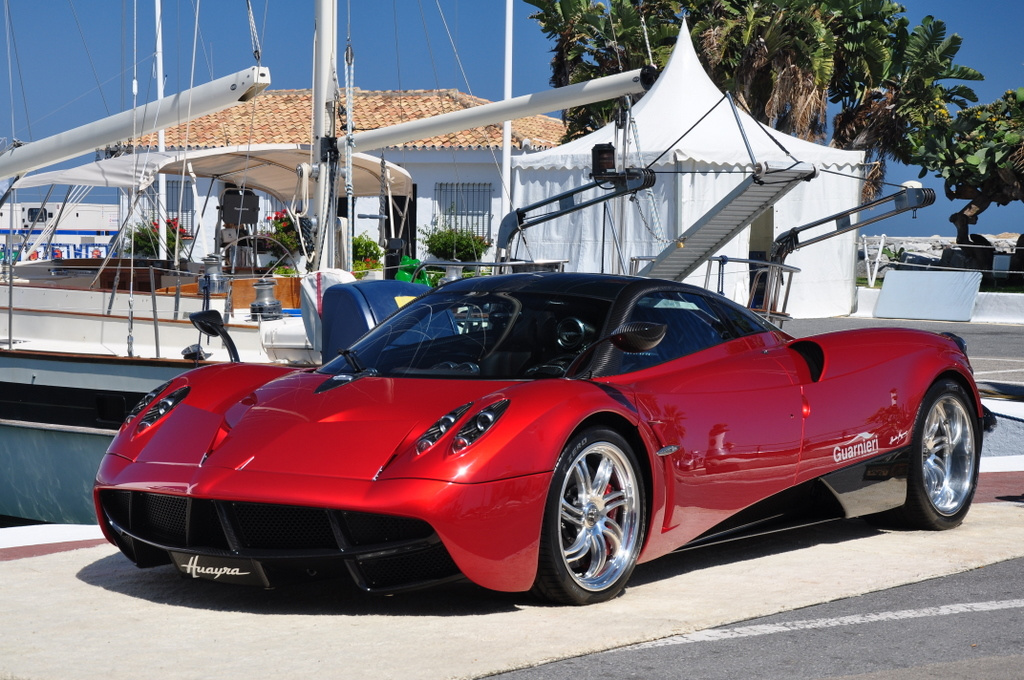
column 693, row 324
column 743, row 320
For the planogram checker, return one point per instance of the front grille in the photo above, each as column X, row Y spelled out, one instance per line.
column 118, row 504
column 283, row 527
column 368, row 529
column 397, row 571
column 405, row 551
column 164, row 515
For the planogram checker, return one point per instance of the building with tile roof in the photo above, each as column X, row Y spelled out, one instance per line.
column 283, row 116
column 457, row 176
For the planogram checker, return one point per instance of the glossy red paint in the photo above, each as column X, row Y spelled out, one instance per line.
column 716, row 431
column 485, row 502
column 873, row 397
column 724, row 462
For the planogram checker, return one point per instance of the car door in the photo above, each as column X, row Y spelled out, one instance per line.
column 725, row 410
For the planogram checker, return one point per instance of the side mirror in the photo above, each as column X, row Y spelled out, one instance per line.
column 209, row 322
column 638, row 336
column 631, row 337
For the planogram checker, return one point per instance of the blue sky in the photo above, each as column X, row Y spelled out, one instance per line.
column 72, row 62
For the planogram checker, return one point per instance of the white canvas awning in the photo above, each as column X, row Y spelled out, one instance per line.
column 703, row 153
column 265, row 167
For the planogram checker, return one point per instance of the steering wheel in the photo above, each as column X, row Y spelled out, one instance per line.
column 462, row 367
column 554, row 367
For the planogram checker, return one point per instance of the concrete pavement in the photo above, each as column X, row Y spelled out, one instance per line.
column 90, row 614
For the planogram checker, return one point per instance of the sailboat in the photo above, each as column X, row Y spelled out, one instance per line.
column 73, row 362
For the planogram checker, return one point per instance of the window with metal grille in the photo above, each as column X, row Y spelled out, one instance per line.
column 463, row 206
column 180, row 204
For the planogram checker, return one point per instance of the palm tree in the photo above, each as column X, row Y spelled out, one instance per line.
column 783, row 61
column 593, row 39
column 776, row 60
column 564, row 22
column 908, row 98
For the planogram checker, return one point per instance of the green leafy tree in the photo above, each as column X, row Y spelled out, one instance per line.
column 979, row 155
column 783, row 61
column 910, row 95
column 594, row 39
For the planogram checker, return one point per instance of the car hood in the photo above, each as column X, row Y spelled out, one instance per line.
column 348, row 431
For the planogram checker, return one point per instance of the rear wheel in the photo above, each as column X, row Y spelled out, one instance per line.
column 944, row 461
column 594, row 520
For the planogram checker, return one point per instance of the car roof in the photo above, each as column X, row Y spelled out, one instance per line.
column 604, row 286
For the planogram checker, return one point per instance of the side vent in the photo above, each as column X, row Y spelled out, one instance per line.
column 813, row 355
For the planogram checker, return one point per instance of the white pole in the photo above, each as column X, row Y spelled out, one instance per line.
column 608, row 87
column 506, row 127
column 161, row 196
column 324, row 88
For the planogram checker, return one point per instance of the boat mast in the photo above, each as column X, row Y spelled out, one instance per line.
column 506, row 125
column 161, row 196
column 608, row 87
column 325, row 141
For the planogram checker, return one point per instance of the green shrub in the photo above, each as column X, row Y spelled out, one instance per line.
column 455, row 244
column 145, row 240
column 365, row 248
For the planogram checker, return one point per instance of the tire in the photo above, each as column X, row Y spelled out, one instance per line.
column 594, row 520
column 944, row 461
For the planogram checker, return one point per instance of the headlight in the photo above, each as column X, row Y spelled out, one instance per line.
column 444, row 423
column 162, row 407
column 479, row 424
column 146, row 401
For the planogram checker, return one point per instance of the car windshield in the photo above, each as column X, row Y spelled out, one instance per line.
column 482, row 335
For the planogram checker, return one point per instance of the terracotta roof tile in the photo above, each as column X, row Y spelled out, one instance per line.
column 283, row 117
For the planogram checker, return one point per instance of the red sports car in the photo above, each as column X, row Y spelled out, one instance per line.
column 544, row 432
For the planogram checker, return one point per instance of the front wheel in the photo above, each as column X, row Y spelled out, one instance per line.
column 594, row 520
column 944, row 461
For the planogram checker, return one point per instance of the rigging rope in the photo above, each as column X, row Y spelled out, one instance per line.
column 88, row 55
column 253, row 35
column 647, row 39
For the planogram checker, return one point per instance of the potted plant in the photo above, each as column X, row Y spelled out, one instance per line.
column 285, row 235
column 145, row 238
column 366, row 256
column 451, row 243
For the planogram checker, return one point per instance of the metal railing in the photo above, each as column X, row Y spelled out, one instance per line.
column 772, row 280
column 453, row 268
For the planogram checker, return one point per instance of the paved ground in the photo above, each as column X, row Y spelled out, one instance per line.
column 89, row 614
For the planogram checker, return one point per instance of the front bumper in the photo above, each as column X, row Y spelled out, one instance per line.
column 387, row 535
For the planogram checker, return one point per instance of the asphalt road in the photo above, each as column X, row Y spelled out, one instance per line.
column 968, row 625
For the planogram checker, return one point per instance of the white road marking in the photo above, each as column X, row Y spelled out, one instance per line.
column 716, row 634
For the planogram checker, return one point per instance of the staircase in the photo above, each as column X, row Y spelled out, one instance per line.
column 770, row 182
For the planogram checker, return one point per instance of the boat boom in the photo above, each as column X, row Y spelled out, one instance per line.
column 599, row 89
column 148, row 118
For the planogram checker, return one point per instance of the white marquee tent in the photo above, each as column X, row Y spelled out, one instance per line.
column 690, row 135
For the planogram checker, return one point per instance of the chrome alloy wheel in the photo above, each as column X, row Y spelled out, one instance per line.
column 599, row 516
column 948, row 455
